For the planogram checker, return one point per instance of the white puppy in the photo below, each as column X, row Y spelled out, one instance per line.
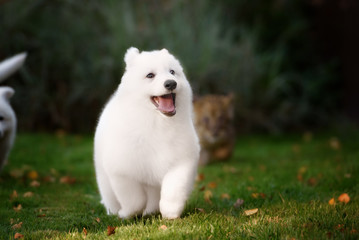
column 7, row 124
column 146, row 148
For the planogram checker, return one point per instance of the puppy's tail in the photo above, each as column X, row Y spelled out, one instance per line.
column 11, row 65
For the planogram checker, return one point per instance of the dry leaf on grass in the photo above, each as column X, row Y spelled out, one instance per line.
column 200, row 177
column 200, row 210
column 212, row 185
column 33, row 175
column 344, row 198
column 84, row 231
column 331, row 201
column 13, row 195
column 17, row 226
column 110, row 230
column 35, row 183
column 163, row 227
column 251, row 212
column 28, row 194
column 334, row 143
column 225, row 196
column 238, row 203
column 18, row 235
column 67, row 180
column 98, row 220
column 207, row 196
column 17, row 208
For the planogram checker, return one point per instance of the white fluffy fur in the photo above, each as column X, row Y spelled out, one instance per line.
column 146, row 161
column 7, row 124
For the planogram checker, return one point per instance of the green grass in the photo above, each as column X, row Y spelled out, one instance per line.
column 288, row 179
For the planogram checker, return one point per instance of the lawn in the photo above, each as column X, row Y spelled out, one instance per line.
column 48, row 191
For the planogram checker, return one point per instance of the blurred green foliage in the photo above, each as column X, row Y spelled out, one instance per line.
column 260, row 50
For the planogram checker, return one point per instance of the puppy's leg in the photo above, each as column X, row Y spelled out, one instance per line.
column 153, row 199
column 176, row 187
column 108, row 196
column 130, row 194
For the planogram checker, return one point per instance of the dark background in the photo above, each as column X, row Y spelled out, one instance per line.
column 291, row 64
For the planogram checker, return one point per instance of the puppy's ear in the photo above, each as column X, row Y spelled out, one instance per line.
column 6, row 93
column 130, row 55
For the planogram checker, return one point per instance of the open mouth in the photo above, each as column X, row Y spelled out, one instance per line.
column 165, row 103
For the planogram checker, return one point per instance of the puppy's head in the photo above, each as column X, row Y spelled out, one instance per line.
column 156, row 78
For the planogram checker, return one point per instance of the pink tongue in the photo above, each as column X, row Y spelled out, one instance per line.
column 165, row 103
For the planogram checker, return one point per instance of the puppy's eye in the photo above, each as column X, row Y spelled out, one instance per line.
column 2, row 118
column 150, row 75
column 172, row 72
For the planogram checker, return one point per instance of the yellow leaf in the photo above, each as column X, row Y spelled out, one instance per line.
column 255, row 195
column 331, row 201
column 344, row 198
column 225, row 196
column 207, row 196
column 251, row 212
column 33, row 175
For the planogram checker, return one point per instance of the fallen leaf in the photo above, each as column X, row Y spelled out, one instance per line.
column 17, row 226
column 212, row 185
column 344, row 198
column 35, row 184
column 49, row 179
column 200, row 177
column 60, row 133
column 67, row 180
column 28, row 194
column 84, row 231
column 18, row 235
column 200, row 210
column 33, row 175
column 163, row 227
column 17, row 173
column 312, row 181
column 239, row 202
column 201, row 189
column 255, row 195
column 229, row 169
column 331, row 201
column 98, row 220
column 251, row 212
column 263, row 195
column 207, row 196
column 334, row 143
column 17, row 208
column 41, row 215
column 307, row 136
column 225, row 196
column 13, row 195
column 110, row 230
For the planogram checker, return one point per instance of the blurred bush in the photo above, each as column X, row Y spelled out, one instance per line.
column 260, row 51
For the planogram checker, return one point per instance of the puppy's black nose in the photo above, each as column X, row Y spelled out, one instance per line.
column 170, row 84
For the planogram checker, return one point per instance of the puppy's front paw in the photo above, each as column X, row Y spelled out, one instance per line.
column 170, row 210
